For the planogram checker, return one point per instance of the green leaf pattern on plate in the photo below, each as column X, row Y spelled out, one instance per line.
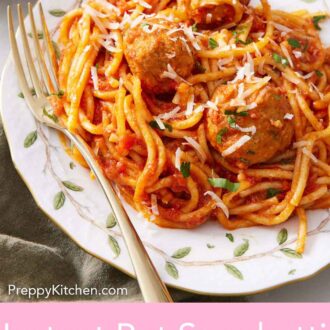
column 230, row 237
column 111, row 221
column 72, row 186
column 291, row 253
column 114, row 246
column 57, row 12
column 242, row 248
column 59, row 200
column 57, row 50
column 234, row 271
column 171, row 270
column 30, row 139
column 181, row 253
column 282, row 236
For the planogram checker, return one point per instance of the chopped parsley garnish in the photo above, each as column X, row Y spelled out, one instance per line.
column 272, row 192
column 50, row 115
column 144, row 24
column 21, row 95
column 279, row 59
column 244, row 160
column 247, row 42
column 319, row 73
column 212, row 43
column 235, row 113
column 154, row 124
column 277, row 97
column 59, row 94
column 199, row 67
column 221, row 133
column 231, row 121
column 316, row 21
column 294, row 43
column 185, row 169
column 40, row 35
column 305, row 47
column 240, row 29
column 194, row 27
column 224, row 183
column 230, row 237
column 286, row 161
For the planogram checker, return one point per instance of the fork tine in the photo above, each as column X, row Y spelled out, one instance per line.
column 28, row 55
column 17, row 61
column 41, row 60
column 49, row 46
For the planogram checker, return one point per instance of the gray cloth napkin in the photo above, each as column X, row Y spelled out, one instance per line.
column 34, row 253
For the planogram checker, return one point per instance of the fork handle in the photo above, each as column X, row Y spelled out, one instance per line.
column 152, row 287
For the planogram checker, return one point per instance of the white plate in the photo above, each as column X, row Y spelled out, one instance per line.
column 210, row 267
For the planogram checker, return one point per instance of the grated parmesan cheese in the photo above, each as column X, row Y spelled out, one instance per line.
column 171, row 74
column 154, row 205
column 177, row 162
column 200, row 108
column 238, row 144
column 113, row 26
column 109, row 41
column 95, row 78
column 287, row 55
column 281, row 27
column 315, row 88
column 190, row 105
column 171, row 31
column 251, row 106
column 291, row 78
column 251, row 129
column 224, row 61
column 93, row 12
column 108, row 5
column 190, row 34
column 137, row 21
column 95, row 15
column 159, row 123
column 169, row 115
column 310, row 155
column 302, row 143
column 211, row 105
column 219, row 202
column 200, row 152
column 288, row 116
column 297, row 53
column 143, row 3
column 309, row 75
column 184, row 41
column 258, row 53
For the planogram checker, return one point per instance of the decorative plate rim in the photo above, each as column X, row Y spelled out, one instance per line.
column 283, row 283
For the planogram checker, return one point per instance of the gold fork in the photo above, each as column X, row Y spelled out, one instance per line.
column 152, row 287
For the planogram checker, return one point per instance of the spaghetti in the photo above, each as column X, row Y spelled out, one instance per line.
column 201, row 109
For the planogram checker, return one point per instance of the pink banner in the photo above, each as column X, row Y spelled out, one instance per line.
column 101, row 316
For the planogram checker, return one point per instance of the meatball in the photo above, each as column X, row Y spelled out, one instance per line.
column 156, row 46
column 270, row 132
